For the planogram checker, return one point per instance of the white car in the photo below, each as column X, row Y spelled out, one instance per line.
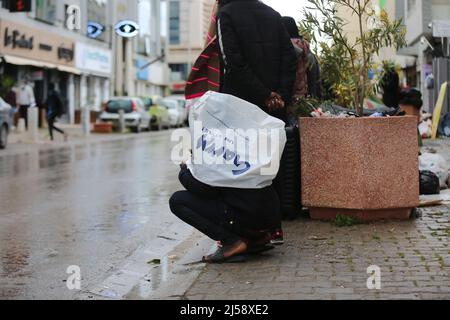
column 136, row 117
column 176, row 112
column 182, row 102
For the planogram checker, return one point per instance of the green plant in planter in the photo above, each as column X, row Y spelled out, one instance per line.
column 6, row 83
column 346, row 64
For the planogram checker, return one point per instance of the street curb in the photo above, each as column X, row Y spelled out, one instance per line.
column 139, row 279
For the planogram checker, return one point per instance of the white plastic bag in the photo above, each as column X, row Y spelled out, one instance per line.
column 425, row 129
column 436, row 164
column 234, row 143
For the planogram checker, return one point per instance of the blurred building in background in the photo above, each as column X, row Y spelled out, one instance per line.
column 352, row 30
column 188, row 26
column 88, row 64
column 428, row 29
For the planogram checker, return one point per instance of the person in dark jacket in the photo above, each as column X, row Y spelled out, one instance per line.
column 54, row 110
column 308, row 81
column 257, row 56
column 240, row 219
column 11, row 99
column 410, row 102
column 390, row 84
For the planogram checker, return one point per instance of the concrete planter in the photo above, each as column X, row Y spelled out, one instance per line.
column 366, row 168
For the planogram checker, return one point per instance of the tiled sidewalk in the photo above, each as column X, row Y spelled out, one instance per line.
column 323, row 261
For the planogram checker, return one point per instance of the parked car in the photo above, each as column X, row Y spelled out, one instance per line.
column 176, row 112
column 182, row 102
column 136, row 116
column 5, row 123
column 159, row 114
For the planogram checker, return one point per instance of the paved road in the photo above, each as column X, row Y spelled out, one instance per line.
column 89, row 205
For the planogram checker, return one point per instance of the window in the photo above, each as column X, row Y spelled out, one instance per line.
column 179, row 71
column 145, row 18
column 174, row 22
column 46, row 10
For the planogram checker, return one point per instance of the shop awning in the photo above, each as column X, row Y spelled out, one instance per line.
column 28, row 62
column 40, row 64
column 69, row 70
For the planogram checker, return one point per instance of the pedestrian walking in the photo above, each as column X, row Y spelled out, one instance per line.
column 11, row 99
column 257, row 57
column 54, row 110
column 25, row 99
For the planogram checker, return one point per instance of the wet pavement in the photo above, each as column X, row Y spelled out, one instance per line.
column 90, row 205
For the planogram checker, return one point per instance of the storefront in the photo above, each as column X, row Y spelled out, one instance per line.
column 93, row 87
column 39, row 56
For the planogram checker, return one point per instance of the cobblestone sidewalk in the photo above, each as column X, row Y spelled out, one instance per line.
column 323, row 261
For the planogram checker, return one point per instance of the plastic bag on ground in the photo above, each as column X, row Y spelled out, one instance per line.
column 234, row 143
column 436, row 164
column 425, row 129
column 444, row 126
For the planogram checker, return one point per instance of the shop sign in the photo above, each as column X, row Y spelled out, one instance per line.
column 93, row 59
column 127, row 29
column 441, row 29
column 16, row 39
column 142, row 74
column 94, row 29
column 31, row 43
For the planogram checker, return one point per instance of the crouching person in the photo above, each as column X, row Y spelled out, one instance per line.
column 240, row 219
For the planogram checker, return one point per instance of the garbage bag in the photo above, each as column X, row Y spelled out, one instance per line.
column 429, row 183
column 436, row 164
column 425, row 129
column 444, row 126
column 234, row 143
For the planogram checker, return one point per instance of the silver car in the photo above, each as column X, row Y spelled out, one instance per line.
column 5, row 123
column 136, row 117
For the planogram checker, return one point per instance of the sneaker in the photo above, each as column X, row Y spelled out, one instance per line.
column 277, row 238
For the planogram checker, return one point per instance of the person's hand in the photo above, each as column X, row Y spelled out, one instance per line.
column 183, row 165
column 275, row 101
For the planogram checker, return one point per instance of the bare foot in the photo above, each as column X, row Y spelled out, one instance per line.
column 224, row 253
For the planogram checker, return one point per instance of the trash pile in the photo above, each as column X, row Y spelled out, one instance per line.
column 434, row 179
column 425, row 126
column 319, row 113
column 327, row 110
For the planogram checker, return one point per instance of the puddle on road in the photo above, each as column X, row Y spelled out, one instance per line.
column 159, row 276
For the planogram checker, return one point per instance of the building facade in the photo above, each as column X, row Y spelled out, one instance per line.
column 88, row 63
column 428, row 30
column 188, row 26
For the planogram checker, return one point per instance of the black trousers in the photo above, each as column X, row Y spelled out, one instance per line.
column 51, row 126
column 23, row 113
column 209, row 216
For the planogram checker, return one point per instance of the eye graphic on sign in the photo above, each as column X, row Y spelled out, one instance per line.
column 94, row 29
column 127, row 29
